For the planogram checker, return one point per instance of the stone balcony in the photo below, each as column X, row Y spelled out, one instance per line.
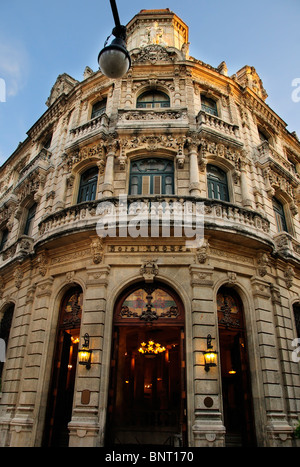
column 215, row 126
column 269, row 156
column 89, row 129
column 156, row 211
column 23, row 247
column 149, row 118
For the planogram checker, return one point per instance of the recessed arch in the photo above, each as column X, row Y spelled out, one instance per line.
column 64, row 365
column 147, row 377
column 235, row 372
column 153, row 99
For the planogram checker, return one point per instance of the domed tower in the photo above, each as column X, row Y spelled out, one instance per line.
column 150, row 252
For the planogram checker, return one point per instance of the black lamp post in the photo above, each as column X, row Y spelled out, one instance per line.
column 114, row 59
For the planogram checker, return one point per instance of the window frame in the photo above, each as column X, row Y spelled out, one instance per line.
column 147, row 181
column 210, row 109
column 151, row 104
column 279, row 215
column 29, row 222
column 4, row 238
column 101, row 110
column 224, row 192
column 90, row 186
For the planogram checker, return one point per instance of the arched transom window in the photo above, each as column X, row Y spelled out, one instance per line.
column 153, row 99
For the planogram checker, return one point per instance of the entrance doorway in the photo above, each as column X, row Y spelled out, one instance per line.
column 147, row 385
column 60, row 400
column 236, row 384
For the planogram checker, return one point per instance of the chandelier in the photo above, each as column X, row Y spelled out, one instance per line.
column 151, row 348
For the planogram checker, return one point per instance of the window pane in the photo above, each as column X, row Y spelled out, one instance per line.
column 146, row 185
column 153, row 99
column 30, row 220
column 209, row 106
column 3, row 239
column 88, row 185
column 279, row 216
column 152, row 177
column 98, row 109
column 156, row 185
column 217, row 183
column 296, row 308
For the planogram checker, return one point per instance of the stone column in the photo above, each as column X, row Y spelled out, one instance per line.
column 278, row 431
column 244, row 186
column 108, row 183
column 85, row 429
column 61, row 186
column 194, row 187
column 208, row 428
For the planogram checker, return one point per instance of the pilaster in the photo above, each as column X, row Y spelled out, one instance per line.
column 84, row 427
column 278, row 430
column 24, row 423
column 208, row 429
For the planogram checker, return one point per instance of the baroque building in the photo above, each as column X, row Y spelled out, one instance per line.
column 148, row 220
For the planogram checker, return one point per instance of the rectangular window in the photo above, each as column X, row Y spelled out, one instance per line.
column 30, row 220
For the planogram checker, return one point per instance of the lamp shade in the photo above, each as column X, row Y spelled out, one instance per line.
column 114, row 60
column 84, row 356
column 210, row 358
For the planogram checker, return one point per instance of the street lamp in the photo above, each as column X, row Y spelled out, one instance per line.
column 114, row 59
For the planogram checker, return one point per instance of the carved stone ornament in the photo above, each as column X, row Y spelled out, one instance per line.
column 202, row 252
column 153, row 53
column 263, row 261
column 97, row 250
column 289, row 275
column 18, row 275
column 42, row 261
column 149, row 270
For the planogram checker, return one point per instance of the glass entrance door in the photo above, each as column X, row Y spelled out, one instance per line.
column 147, row 395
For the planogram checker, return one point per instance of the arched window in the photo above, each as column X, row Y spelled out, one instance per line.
column 153, row 99
column 296, row 309
column 217, row 183
column 151, row 177
column 5, row 325
column 88, row 185
column 98, row 108
column 279, row 216
column 209, row 106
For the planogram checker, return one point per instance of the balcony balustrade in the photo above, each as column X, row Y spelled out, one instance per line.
column 89, row 129
column 212, row 124
column 156, row 210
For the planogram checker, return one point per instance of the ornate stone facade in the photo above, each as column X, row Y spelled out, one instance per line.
column 211, row 120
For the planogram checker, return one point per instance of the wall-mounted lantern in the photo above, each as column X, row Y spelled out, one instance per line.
column 210, row 355
column 85, row 354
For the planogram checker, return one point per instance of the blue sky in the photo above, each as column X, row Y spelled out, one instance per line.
column 40, row 40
